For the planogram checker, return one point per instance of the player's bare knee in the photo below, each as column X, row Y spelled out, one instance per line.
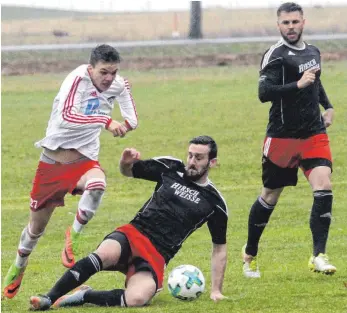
column 35, row 231
column 141, row 289
column 109, row 252
column 137, row 298
column 322, row 182
column 324, row 185
column 271, row 196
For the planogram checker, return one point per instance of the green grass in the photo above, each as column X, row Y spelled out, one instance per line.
column 174, row 106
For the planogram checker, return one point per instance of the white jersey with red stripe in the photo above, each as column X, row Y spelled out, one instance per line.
column 80, row 112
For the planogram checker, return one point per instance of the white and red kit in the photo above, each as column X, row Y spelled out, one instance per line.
column 78, row 115
column 80, row 112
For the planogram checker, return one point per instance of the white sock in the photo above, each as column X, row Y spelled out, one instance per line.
column 27, row 243
column 21, row 261
column 77, row 226
column 88, row 203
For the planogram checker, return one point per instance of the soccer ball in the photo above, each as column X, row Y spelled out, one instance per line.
column 186, row 282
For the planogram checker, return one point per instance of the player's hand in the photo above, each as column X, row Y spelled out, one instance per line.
column 129, row 155
column 307, row 78
column 117, row 129
column 328, row 117
column 217, row 296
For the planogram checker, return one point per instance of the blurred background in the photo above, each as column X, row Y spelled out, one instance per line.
column 157, row 32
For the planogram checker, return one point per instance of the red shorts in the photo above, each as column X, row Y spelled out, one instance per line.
column 53, row 181
column 142, row 247
column 283, row 156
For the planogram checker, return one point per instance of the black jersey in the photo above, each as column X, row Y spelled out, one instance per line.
column 295, row 112
column 178, row 206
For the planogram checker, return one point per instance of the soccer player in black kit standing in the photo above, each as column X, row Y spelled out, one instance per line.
column 184, row 199
column 295, row 137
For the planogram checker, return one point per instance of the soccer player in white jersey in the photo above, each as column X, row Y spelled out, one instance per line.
column 69, row 160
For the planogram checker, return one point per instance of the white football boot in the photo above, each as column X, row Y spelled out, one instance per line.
column 250, row 265
column 320, row 264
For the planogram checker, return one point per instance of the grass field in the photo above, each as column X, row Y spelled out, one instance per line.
column 216, row 22
column 174, row 106
column 82, row 55
column 145, row 58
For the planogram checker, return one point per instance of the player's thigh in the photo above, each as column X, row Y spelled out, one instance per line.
column 109, row 252
column 114, row 251
column 39, row 219
column 92, row 173
column 316, row 162
column 320, row 178
column 280, row 163
column 141, row 288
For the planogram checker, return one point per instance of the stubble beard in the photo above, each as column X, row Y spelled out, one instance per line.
column 292, row 42
column 197, row 175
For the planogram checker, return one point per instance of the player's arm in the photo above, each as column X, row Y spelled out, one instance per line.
column 152, row 169
column 328, row 115
column 69, row 105
column 218, row 266
column 271, row 85
column 127, row 107
column 217, row 225
column 127, row 160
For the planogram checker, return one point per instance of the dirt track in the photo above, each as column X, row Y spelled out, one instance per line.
column 23, row 67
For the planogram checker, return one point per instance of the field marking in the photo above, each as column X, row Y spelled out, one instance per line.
column 156, row 43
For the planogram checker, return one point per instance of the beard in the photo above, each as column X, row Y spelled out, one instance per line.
column 193, row 174
column 292, row 41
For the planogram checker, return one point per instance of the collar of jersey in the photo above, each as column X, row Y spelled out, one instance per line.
column 202, row 185
column 293, row 47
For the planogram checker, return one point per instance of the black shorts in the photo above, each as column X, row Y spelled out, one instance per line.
column 126, row 262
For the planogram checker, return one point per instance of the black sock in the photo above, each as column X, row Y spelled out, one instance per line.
column 258, row 217
column 76, row 276
column 320, row 219
column 113, row 297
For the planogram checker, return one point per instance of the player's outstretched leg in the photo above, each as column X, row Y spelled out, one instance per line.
column 28, row 240
column 72, row 278
column 88, row 204
column 141, row 288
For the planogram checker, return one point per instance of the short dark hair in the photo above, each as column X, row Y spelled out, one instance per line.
column 289, row 7
column 206, row 140
column 104, row 53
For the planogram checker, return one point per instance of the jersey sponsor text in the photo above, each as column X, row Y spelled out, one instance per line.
column 186, row 193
